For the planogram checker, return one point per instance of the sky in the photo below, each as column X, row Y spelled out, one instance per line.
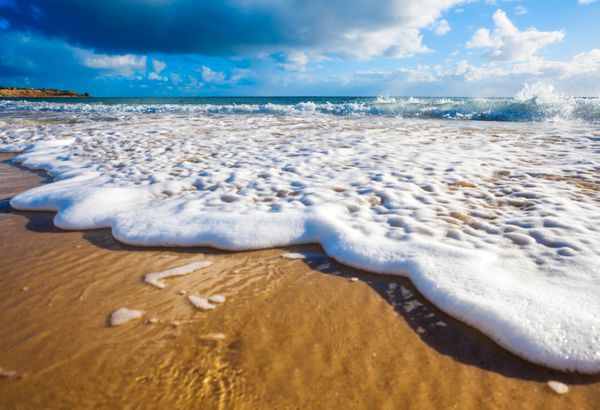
column 481, row 48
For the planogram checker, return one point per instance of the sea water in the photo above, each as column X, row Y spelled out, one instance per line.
column 489, row 206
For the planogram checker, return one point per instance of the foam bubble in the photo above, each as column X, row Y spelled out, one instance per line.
column 201, row 303
column 558, row 387
column 298, row 255
column 124, row 315
column 293, row 255
column 216, row 299
column 155, row 278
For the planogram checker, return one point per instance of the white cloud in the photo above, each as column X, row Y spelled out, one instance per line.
column 295, row 61
column 586, row 1
column 420, row 74
column 193, row 83
column 157, row 77
column 386, row 42
column 176, row 78
column 126, row 65
column 442, row 27
column 579, row 76
column 158, row 66
column 210, row 76
column 582, row 66
column 508, row 43
column 520, row 10
column 357, row 30
column 239, row 74
column 481, row 38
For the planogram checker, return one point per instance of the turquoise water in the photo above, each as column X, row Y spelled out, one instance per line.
column 486, row 109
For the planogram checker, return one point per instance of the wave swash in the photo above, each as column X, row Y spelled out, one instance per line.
column 494, row 222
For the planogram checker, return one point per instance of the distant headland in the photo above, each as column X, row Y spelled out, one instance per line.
column 14, row 92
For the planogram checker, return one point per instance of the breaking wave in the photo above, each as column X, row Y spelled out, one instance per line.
column 524, row 107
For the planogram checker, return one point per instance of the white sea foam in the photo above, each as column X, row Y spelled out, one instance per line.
column 201, row 303
column 293, row 255
column 558, row 387
column 494, row 223
column 124, row 315
column 155, row 278
column 298, row 255
column 215, row 336
column 216, row 299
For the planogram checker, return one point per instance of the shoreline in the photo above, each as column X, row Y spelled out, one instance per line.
column 329, row 315
column 422, row 287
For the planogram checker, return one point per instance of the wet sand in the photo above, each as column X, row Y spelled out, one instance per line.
column 298, row 333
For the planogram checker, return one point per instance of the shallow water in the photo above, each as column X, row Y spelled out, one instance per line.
column 493, row 222
column 297, row 332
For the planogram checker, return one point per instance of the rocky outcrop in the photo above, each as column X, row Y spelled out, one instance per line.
column 13, row 92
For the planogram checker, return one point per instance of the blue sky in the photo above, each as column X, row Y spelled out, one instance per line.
column 301, row 47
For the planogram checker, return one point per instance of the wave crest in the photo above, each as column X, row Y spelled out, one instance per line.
column 534, row 103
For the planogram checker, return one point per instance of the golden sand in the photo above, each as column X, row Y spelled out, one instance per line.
column 291, row 333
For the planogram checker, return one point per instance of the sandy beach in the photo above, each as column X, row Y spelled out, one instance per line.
column 297, row 333
column 266, row 204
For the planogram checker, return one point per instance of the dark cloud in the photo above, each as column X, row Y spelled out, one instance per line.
column 33, row 57
column 206, row 27
column 214, row 27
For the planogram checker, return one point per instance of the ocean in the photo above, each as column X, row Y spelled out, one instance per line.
column 488, row 205
column 524, row 107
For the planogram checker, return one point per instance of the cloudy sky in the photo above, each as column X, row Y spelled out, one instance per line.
column 301, row 47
